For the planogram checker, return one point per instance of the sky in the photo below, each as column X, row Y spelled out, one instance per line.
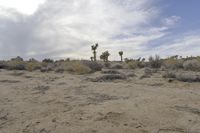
column 67, row 28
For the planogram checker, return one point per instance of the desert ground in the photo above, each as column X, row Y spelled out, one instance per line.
column 35, row 102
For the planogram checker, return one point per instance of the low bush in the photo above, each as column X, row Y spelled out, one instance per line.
column 48, row 61
column 110, row 77
column 173, row 64
column 182, row 76
column 169, row 74
column 188, row 77
column 107, row 65
column 76, row 67
column 133, row 64
column 15, row 65
column 117, row 66
column 2, row 64
column 155, row 62
column 94, row 66
column 33, row 65
column 193, row 65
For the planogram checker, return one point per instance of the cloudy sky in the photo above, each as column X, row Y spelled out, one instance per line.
column 67, row 28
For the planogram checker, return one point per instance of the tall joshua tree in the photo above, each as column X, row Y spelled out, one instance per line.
column 104, row 56
column 94, row 48
column 121, row 55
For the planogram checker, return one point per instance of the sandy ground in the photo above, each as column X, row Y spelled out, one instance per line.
column 34, row 102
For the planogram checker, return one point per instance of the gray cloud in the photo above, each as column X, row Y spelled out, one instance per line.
column 67, row 28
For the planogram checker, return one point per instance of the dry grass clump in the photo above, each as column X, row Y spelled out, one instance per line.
column 133, row 64
column 75, row 67
column 155, row 62
column 192, row 65
column 94, row 66
column 182, row 76
column 33, row 65
column 148, row 72
column 15, row 65
column 173, row 64
column 169, row 74
column 110, row 72
column 188, row 77
column 110, row 77
column 107, row 65
column 117, row 66
column 2, row 64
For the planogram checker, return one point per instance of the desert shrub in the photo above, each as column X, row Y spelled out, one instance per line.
column 173, row 64
column 110, row 77
column 75, row 67
column 59, row 70
column 48, row 61
column 18, row 58
column 117, row 66
column 188, row 77
column 141, row 64
column 169, row 74
column 33, row 65
column 2, row 64
column 94, row 66
column 155, row 62
column 193, row 65
column 15, row 65
column 110, row 72
column 133, row 64
column 148, row 73
column 107, row 64
column 182, row 76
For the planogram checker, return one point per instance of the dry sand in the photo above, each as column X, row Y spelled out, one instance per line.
column 34, row 102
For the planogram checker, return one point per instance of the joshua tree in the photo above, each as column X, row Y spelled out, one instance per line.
column 94, row 48
column 92, row 58
column 121, row 55
column 104, row 56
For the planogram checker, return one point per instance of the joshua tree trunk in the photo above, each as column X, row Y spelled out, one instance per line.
column 121, row 58
column 95, row 55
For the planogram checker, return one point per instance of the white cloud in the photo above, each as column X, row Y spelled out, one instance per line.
column 23, row 6
column 171, row 21
column 67, row 28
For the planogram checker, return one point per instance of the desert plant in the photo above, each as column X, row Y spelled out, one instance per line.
column 133, row 64
column 75, row 67
column 169, row 74
column 155, row 62
column 107, row 64
column 15, row 65
column 18, row 58
column 121, row 55
column 172, row 63
column 33, row 65
column 188, row 77
column 104, row 56
column 117, row 66
column 92, row 58
column 193, row 65
column 94, row 48
column 48, row 61
column 94, row 66
column 2, row 64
